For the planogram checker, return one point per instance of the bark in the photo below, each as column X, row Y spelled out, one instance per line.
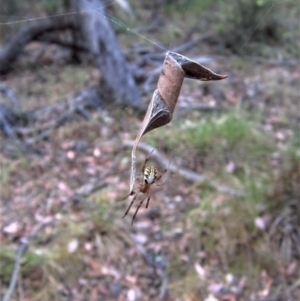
column 102, row 42
column 27, row 34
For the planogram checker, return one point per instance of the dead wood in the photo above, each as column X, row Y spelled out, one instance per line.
column 28, row 128
column 97, row 38
column 103, row 45
column 11, row 96
column 24, row 244
column 151, row 259
column 27, row 34
column 75, row 45
column 7, row 117
column 187, row 174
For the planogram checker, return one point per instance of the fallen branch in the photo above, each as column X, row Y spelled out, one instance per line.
column 95, row 184
column 98, row 35
column 183, row 109
column 58, row 114
column 273, row 62
column 25, row 242
column 155, row 25
column 189, row 175
column 28, row 34
column 192, row 43
column 67, row 43
column 7, row 117
column 181, row 48
column 11, row 96
column 151, row 260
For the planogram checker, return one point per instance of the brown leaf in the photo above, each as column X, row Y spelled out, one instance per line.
column 160, row 110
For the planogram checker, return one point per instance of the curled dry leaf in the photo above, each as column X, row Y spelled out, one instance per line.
column 160, row 110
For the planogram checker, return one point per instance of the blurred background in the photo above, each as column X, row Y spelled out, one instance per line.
column 76, row 78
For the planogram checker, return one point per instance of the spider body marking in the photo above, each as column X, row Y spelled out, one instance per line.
column 149, row 177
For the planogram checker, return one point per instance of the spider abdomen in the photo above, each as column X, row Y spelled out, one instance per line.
column 150, row 174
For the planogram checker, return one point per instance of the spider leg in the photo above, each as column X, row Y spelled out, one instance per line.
column 159, row 177
column 144, row 166
column 137, row 209
column 148, row 200
column 130, row 205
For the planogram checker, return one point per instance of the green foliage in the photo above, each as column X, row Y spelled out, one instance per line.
column 285, row 186
column 225, row 131
column 293, row 149
column 187, row 6
column 7, row 259
column 103, row 213
column 30, row 262
column 219, row 138
column 226, row 227
column 9, row 7
column 256, row 21
column 246, row 27
column 5, row 174
column 50, row 6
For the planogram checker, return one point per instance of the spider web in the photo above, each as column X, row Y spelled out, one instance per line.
column 168, row 41
column 10, row 21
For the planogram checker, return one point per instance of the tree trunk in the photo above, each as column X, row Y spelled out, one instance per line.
column 103, row 45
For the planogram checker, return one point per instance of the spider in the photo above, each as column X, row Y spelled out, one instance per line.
column 150, row 176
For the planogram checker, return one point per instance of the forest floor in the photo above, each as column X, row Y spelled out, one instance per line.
column 195, row 241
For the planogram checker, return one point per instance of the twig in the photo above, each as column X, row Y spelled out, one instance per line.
column 10, row 95
column 154, row 26
column 164, row 285
column 60, row 112
column 40, row 137
column 272, row 62
column 185, row 173
column 25, row 241
column 5, row 125
column 184, row 108
column 191, row 43
column 74, row 45
column 160, row 270
column 97, row 183
column 181, row 48
column 152, row 262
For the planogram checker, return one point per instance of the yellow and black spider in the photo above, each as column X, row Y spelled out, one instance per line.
column 150, row 177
